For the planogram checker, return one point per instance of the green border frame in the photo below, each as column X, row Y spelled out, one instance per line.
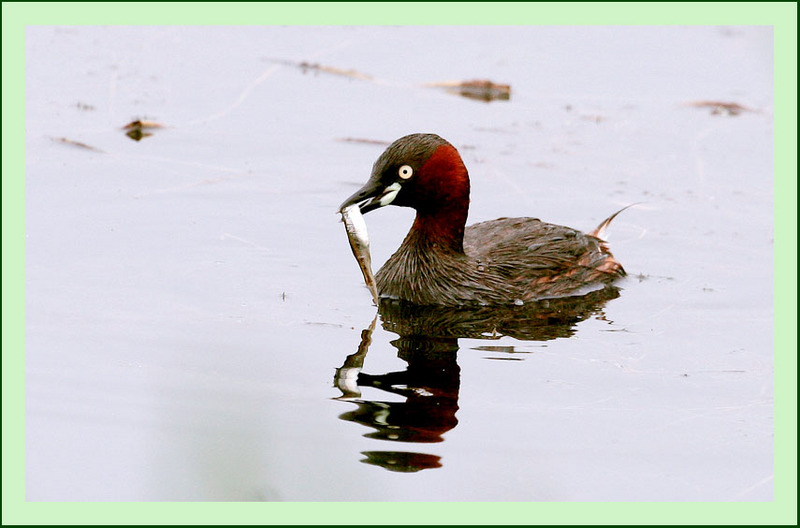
column 16, row 16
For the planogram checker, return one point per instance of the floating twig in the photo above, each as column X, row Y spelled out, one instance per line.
column 316, row 67
column 74, row 143
column 136, row 130
column 482, row 90
column 363, row 140
column 720, row 108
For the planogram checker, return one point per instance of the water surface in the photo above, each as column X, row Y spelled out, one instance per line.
column 196, row 323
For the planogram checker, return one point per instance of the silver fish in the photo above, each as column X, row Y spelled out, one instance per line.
column 359, row 242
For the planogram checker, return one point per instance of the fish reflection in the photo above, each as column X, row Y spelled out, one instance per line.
column 428, row 343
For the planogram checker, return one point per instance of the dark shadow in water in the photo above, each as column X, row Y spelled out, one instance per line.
column 429, row 385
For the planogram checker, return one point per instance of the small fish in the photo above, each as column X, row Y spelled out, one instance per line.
column 359, row 242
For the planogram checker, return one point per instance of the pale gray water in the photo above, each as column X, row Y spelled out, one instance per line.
column 190, row 296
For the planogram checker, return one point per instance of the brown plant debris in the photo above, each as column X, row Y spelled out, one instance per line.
column 67, row 141
column 482, row 90
column 138, row 129
column 720, row 108
column 363, row 140
column 321, row 68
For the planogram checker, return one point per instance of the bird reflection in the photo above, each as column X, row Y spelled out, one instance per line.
column 429, row 386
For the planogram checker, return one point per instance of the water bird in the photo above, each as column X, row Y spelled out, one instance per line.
column 507, row 261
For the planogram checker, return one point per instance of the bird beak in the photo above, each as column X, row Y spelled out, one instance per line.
column 372, row 195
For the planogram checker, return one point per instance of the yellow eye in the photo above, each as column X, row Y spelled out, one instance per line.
column 405, row 172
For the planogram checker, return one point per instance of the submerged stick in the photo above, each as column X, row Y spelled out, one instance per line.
column 359, row 242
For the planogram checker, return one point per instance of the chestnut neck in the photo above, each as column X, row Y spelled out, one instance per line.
column 440, row 230
column 442, row 202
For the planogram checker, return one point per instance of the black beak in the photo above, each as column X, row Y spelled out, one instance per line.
column 368, row 197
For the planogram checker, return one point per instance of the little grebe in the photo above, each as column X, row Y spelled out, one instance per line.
column 503, row 261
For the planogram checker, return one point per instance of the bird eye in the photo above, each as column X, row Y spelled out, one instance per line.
column 405, row 172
